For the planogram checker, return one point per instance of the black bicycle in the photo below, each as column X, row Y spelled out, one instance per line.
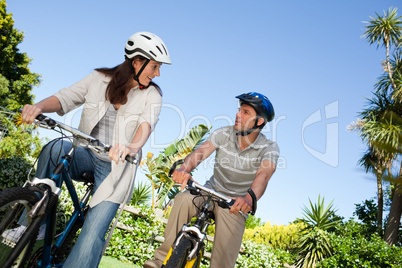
column 188, row 247
column 24, row 209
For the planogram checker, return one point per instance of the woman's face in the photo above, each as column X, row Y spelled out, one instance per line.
column 149, row 72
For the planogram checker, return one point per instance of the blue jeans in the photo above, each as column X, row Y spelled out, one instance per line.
column 88, row 249
column 87, row 252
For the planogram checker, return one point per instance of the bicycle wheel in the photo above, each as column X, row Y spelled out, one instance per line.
column 18, row 231
column 178, row 256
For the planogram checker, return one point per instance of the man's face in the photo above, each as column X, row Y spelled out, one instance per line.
column 245, row 118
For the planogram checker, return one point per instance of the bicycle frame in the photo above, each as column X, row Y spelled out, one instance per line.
column 55, row 183
column 196, row 231
column 42, row 194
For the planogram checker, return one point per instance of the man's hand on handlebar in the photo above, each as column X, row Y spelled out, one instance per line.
column 243, row 204
column 181, row 176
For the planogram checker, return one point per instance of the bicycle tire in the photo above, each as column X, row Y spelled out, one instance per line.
column 178, row 258
column 13, row 203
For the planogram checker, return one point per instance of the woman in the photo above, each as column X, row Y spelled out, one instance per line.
column 121, row 107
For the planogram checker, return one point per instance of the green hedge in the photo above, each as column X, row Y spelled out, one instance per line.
column 13, row 172
column 352, row 249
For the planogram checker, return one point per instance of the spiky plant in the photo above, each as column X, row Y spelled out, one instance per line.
column 314, row 244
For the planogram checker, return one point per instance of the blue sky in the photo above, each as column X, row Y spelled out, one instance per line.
column 308, row 57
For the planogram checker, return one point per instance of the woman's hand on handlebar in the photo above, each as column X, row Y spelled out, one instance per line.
column 181, row 176
column 29, row 113
column 243, row 204
column 119, row 152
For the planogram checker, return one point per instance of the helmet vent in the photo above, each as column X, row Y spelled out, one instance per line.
column 147, row 37
column 164, row 48
column 159, row 49
column 152, row 53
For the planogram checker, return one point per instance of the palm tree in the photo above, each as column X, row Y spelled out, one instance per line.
column 382, row 128
column 385, row 31
column 377, row 159
column 314, row 244
column 372, row 161
column 159, row 167
column 384, row 134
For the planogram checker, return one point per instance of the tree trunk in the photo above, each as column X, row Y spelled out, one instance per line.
column 394, row 219
column 380, row 202
column 389, row 71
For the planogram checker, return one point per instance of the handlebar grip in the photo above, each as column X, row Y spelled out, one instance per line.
column 48, row 121
column 131, row 159
column 41, row 117
column 254, row 198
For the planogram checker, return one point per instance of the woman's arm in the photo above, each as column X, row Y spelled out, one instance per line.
column 48, row 105
column 141, row 136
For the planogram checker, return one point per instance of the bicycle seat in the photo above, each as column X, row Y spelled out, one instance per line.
column 88, row 177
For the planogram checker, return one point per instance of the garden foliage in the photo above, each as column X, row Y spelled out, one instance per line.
column 277, row 236
column 351, row 248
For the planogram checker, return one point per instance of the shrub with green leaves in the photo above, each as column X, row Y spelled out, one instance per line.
column 352, row 249
column 136, row 245
column 13, row 172
column 276, row 236
column 257, row 255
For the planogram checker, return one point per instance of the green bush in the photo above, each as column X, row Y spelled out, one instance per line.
column 257, row 256
column 352, row 249
column 136, row 245
column 13, row 172
column 276, row 236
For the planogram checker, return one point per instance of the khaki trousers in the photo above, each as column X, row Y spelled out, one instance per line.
column 229, row 229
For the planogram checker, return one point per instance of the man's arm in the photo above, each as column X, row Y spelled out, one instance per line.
column 182, row 175
column 264, row 174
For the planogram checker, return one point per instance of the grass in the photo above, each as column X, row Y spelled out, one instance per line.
column 109, row 262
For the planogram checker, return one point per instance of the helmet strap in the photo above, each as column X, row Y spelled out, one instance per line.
column 136, row 76
column 248, row 131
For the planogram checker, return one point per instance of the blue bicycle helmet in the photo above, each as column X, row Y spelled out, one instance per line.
column 261, row 105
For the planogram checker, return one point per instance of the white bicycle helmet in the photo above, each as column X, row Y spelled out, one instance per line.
column 147, row 45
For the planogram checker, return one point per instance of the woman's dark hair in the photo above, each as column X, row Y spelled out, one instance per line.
column 120, row 82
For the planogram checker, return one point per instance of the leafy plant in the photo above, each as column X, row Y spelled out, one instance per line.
column 136, row 245
column 159, row 167
column 314, row 245
column 257, row 255
column 367, row 213
column 276, row 236
column 351, row 248
column 19, row 141
column 16, row 80
column 141, row 194
column 14, row 172
column 319, row 216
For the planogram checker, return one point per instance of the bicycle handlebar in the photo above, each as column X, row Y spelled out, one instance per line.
column 97, row 145
column 191, row 185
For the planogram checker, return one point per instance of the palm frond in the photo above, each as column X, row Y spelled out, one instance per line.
column 159, row 167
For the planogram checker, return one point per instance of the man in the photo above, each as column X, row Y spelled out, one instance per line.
column 244, row 159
